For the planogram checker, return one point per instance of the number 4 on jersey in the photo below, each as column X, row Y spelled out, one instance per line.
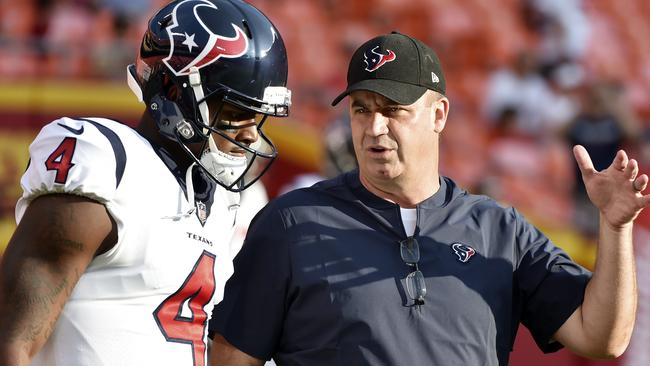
column 61, row 159
column 194, row 294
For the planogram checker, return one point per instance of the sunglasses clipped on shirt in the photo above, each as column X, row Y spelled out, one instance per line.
column 409, row 250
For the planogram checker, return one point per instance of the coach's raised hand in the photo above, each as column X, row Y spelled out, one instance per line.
column 603, row 325
column 616, row 191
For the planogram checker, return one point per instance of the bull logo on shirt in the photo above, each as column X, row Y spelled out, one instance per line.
column 377, row 60
column 193, row 44
column 463, row 252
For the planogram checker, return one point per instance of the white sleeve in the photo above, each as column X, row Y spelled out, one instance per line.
column 69, row 156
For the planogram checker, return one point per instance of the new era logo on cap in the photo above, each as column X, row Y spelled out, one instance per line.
column 399, row 67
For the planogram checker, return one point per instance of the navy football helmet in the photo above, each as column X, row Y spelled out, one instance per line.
column 213, row 50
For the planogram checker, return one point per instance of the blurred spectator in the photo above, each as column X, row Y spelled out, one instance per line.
column 70, row 24
column 605, row 124
column 465, row 140
column 110, row 52
column 129, row 7
column 563, row 28
column 339, row 151
column 19, row 48
column 522, row 89
column 70, row 38
column 528, row 172
column 338, row 155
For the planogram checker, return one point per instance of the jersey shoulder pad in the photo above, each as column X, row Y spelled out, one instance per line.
column 76, row 156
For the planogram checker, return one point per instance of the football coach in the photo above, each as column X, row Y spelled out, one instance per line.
column 394, row 264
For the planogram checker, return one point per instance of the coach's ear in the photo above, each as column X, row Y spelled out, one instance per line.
column 440, row 110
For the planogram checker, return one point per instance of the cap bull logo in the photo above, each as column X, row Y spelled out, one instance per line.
column 377, row 59
column 211, row 46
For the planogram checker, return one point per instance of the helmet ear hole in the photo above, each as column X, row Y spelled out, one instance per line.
column 170, row 121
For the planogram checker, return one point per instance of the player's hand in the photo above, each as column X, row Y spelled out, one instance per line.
column 617, row 190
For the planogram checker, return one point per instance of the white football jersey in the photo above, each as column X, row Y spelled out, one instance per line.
column 148, row 299
column 252, row 200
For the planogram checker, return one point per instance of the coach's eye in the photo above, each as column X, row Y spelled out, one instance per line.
column 360, row 110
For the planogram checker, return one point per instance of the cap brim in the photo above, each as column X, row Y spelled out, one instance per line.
column 402, row 93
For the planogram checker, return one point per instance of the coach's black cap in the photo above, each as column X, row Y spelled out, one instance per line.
column 396, row 66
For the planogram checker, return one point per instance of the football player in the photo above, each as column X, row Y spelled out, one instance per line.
column 121, row 249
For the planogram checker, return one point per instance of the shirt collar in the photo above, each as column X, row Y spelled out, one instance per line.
column 439, row 199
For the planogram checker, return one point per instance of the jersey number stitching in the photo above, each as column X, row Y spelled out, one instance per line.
column 196, row 292
column 61, row 159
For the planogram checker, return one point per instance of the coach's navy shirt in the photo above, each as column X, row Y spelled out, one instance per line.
column 320, row 281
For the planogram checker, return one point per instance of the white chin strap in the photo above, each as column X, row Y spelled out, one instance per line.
column 197, row 88
column 227, row 168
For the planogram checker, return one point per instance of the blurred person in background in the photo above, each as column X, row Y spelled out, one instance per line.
column 528, row 172
column 521, row 88
column 564, row 31
column 604, row 125
column 394, row 264
column 122, row 245
column 337, row 156
column 19, row 48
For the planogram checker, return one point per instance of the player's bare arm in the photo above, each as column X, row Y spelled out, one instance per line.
column 602, row 326
column 56, row 239
column 223, row 353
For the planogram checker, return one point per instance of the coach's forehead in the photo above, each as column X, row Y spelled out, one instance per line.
column 369, row 97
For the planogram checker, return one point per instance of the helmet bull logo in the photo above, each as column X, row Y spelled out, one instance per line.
column 190, row 33
column 377, row 60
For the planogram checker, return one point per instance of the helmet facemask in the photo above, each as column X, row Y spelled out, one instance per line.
column 254, row 154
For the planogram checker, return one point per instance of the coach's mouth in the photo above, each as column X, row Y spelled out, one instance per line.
column 378, row 151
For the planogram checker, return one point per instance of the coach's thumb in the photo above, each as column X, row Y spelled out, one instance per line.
column 584, row 161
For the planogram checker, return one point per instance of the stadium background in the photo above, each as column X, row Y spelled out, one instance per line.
column 68, row 58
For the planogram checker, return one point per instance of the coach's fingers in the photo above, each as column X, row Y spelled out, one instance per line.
column 621, row 160
column 584, row 161
column 640, row 183
column 645, row 201
column 631, row 170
